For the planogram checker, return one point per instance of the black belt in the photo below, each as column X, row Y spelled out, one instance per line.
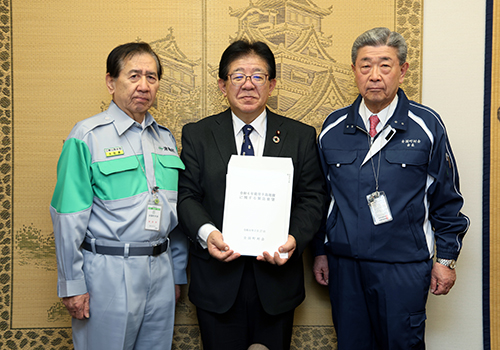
column 132, row 250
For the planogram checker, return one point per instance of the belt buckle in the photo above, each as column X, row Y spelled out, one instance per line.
column 156, row 250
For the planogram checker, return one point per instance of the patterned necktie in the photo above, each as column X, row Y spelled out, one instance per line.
column 246, row 147
column 373, row 125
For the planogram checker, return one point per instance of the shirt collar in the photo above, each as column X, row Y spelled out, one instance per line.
column 259, row 124
column 123, row 122
column 384, row 115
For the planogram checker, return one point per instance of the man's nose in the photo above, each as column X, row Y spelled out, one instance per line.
column 248, row 84
column 144, row 84
column 375, row 74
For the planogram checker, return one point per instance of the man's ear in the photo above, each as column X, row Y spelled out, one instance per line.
column 272, row 85
column 110, row 84
column 404, row 69
column 222, row 86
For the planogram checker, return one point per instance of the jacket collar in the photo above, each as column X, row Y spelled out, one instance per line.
column 224, row 135
column 398, row 120
column 123, row 122
column 275, row 135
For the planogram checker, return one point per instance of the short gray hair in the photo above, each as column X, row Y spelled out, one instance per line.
column 380, row 37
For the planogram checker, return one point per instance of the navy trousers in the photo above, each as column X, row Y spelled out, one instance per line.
column 379, row 306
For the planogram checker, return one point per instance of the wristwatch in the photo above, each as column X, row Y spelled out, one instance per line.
column 447, row 262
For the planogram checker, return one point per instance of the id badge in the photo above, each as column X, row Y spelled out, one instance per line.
column 379, row 207
column 153, row 215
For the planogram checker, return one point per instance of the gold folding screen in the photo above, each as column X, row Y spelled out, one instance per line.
column 52, row 68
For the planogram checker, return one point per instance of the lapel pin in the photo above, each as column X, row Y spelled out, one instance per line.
column 276, row 138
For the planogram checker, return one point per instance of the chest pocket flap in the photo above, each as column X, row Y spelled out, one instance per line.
column 339, row 157
column 409, row 157
column 118, row 165
column 171, row 162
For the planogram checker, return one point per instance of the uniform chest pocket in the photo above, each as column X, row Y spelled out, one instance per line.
column 342, row 166
column 118, row 178
column 406, row 158
column 167, row 171
column 338, row 158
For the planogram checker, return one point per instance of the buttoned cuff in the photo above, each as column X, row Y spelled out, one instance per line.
column 71, row 288
column 203, row 233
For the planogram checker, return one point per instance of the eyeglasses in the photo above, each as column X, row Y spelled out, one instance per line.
column 238, row 79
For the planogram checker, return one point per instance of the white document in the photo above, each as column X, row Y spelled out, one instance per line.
column 258, row 203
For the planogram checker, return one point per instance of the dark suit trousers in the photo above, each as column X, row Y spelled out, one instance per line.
column 246, row 322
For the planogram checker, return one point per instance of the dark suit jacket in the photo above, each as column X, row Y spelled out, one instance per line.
column 207, row 147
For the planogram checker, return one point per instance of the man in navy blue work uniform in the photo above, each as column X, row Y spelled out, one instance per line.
column 395, row 196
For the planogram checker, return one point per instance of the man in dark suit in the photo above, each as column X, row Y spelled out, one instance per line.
column 243, row 300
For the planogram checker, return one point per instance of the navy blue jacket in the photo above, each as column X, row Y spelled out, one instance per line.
column 417, row 173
